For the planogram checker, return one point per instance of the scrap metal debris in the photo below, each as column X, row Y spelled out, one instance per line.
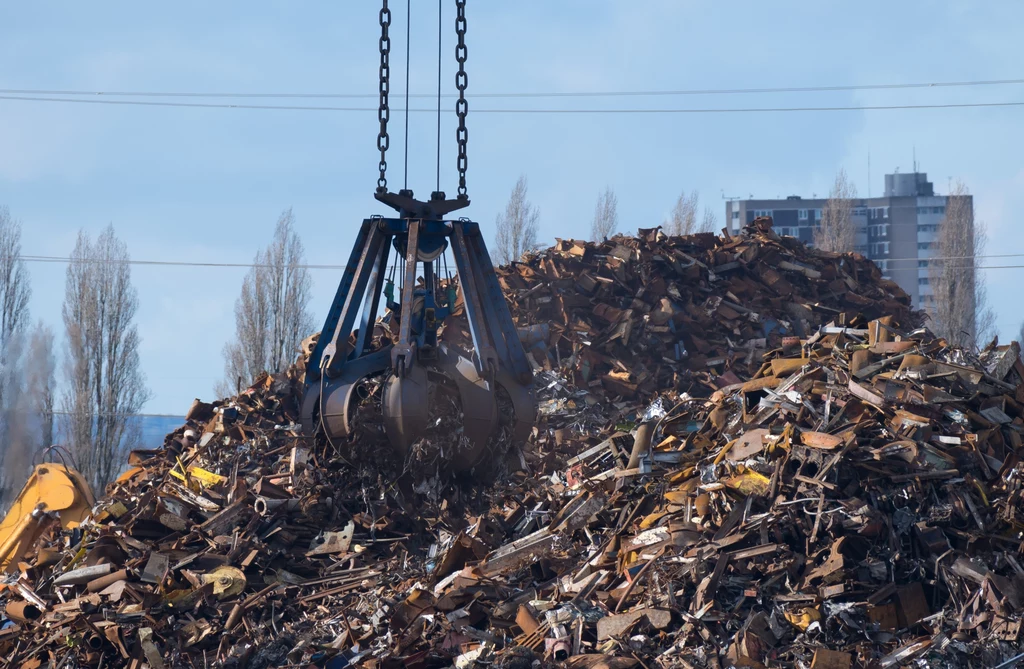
column 749, row 455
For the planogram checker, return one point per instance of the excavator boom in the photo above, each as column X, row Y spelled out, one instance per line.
column 53, row 492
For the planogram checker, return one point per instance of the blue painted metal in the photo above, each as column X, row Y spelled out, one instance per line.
column 349, row 309
column 517, row 363
column 489, row 312
column 372, row 302
column 313, row 366
column 485, row 356
column 403, row 354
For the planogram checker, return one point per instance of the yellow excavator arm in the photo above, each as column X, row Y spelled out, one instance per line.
column 52, row 490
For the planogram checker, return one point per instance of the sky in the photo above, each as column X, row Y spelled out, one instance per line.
column 208, row 184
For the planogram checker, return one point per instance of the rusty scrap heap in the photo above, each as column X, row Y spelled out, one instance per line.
column 651, row 313
column 814, row 483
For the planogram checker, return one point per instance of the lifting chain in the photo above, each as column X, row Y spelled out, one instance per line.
column 384, row 113
column 461, row 81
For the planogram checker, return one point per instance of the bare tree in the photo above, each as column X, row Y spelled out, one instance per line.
column 41, row 380
column 14, row 296
column 105, row 385
column 517, row 227
column 271, row 314
column 1020, row 335
column 606, row 215
column 984, row 315
column 28, row 381
column 709, row 221
column 837, row 233
column 959, row 308
column 683, row 219
column 14, row 287
column 246, row 356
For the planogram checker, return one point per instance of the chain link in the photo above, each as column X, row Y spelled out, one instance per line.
column 461, row 82
column 384, row 113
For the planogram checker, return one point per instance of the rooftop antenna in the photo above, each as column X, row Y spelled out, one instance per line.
column 915, row 158
column 869, row 174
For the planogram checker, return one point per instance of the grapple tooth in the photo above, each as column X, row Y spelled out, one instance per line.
column 524, row 404
column 405, row 408
column 479, row 410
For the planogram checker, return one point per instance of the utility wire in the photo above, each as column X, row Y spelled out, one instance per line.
column 712, row 110
column 929, row 259
column 186, row 263
column 105, row 414
column 550, row 94
column 163, row 263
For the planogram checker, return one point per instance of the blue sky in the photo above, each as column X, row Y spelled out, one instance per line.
column 208, row 184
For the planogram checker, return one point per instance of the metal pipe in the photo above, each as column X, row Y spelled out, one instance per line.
column 266, row 505
column 234, row 617
column 641, row 443
column 103, row 582
column 22, row 612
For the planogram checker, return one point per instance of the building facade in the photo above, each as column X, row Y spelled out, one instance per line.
column 899, row 231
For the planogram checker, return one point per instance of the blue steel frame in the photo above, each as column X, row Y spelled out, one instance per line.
column 494, row 334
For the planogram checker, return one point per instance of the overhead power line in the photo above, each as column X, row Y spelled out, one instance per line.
column 188, row 263
column 711, row 110
column 166, row 263
column 107, row 414
column 523, row 94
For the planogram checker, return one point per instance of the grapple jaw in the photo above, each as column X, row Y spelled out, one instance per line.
column 493, row 381
column 406, row 408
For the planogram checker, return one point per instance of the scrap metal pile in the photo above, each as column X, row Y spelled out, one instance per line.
column 641, row 315
column 842, row 494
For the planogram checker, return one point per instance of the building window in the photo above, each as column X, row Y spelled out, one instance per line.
column 924, row 246
column 802, row 214
column 922, row 281
column 938, row 210
column 817, row 214
column 859, row 211
column 762, row 212
column 928, row 227
column 883, row 265
column 922, row 263
column 736, row 214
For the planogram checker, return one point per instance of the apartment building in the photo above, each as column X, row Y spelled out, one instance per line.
column 898, row 230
